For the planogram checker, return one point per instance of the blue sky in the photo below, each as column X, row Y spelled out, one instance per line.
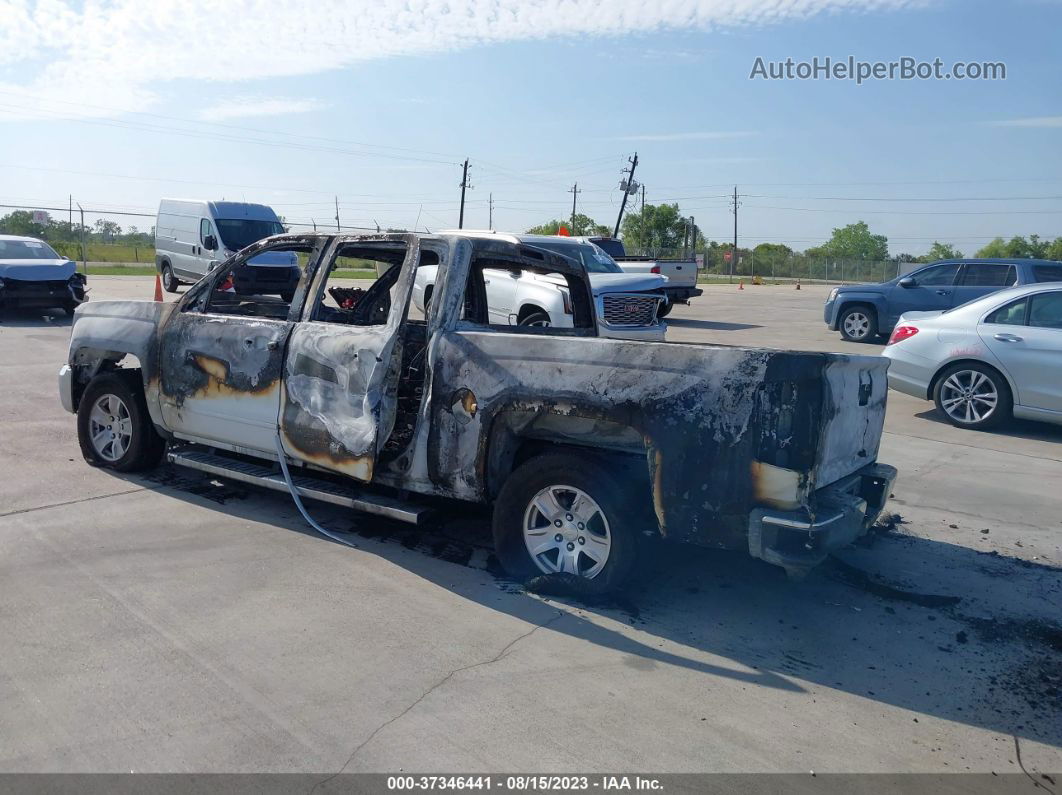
column 291, row 104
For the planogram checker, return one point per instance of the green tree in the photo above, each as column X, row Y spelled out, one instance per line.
column 20, row 222
column 856, row 242
column 940, row 251
column 1017, row 247
column 995, row 249
column 106, row 230
column 1054, row 251
column 770, row 257
column 656, row 228
column 584, row 225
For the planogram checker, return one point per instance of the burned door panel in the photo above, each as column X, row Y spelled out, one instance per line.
column 219, row 377
column 340, row 381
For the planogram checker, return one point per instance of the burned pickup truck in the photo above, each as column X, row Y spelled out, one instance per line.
column 581, row 444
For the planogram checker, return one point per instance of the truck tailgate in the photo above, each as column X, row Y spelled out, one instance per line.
column 680, row 273
column 854, row 406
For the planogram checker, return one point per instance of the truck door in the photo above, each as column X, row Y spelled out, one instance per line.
column 220, row 361
column 981, row 278
column 925, row 290
column 340, row 379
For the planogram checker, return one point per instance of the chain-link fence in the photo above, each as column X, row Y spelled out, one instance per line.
column 715, row 263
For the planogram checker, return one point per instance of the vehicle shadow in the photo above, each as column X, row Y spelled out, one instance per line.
column 714, row 325
column 1019, row 429
column 33, row 318
column 943, row 630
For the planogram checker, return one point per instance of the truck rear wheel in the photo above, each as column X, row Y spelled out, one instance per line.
column 114, row 428
column 169, row 281
column 565, row 514
column 665, row 308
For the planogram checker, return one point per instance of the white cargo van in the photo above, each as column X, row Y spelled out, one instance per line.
column 192, row 237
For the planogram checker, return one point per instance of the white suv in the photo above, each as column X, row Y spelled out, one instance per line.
column 626, row 304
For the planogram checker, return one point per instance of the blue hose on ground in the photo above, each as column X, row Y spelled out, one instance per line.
column 298, row 500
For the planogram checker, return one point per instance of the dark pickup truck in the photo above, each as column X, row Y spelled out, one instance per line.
column 581, row 443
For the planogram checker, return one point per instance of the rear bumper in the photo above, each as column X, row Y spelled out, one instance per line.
column 799, row 540
column 910, row 373
column 679, row 294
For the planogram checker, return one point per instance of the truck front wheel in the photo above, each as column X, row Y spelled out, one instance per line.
column 113, row 425
column 565, row 514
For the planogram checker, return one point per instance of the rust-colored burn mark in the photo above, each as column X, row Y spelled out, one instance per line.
column 776, row 487
column 469, row 403
column 359, row 467
column 219, row 384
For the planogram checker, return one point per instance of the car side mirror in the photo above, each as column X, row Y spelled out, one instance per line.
column 907, row 281
column 210, row 243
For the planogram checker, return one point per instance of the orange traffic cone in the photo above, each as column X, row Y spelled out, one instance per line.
column 158, row 287
column 798, row 284
column 741, row 285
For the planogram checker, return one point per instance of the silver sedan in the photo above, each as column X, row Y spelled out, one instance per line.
column 986, row 361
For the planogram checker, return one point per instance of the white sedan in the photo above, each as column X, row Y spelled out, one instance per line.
column 985, row 361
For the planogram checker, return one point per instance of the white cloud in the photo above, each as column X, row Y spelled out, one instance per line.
column 707, row 135
column 244, row 107
column 1033, row 121
column 118, row 54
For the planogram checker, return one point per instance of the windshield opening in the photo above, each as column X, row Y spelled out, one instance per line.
column 26, row 249
column 594, row 259
column 240, row 233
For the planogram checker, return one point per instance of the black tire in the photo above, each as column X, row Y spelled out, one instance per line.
column 858, row 323
column 983, row 382
column 70, row 307
column 665, row 308
column 288, row 296
column 170, row 282
column 589, row 475
column 144, row 447
column 535, row 317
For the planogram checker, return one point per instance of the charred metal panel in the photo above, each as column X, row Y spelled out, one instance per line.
column 705, row 415
column 219, row 377
column 856, row 389
column 111, row 330
column 340, row 381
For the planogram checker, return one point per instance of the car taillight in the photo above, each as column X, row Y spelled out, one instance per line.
column 900, row 333
column 655, row 269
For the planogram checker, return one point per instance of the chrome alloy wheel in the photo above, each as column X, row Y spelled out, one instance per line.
column 566, row 532
column 969, row 396
column 856, row 325
column 110, row 427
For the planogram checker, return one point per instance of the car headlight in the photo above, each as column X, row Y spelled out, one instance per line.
column 833, row 293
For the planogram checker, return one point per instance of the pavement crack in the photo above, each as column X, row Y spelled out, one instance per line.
column 501, row 654
column 72, row 502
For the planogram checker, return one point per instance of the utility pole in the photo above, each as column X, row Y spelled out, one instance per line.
column 643, row 199
column 733, row 254
column 464, row 185
column 337, row 213
column 490, row 211
column 626, row 192
column 81, row 234
column 70, row 218
column 693, row 238
column 574, row 191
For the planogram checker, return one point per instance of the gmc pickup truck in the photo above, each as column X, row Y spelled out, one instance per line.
column 681, row 273
column 581, row 443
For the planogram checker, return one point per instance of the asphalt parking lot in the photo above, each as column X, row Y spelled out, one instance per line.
column 172, row 623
